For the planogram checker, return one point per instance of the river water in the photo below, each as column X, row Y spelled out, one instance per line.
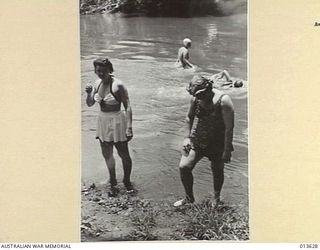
column 143, row 51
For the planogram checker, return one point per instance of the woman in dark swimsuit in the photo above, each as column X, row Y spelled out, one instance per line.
column 114, row 126
column 209, row 133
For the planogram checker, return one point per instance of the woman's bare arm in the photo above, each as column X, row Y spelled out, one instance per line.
column 228, row 118
column 189, row 118
column 126, row 104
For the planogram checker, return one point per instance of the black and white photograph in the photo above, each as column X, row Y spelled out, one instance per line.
column 159, row 123
column 164, row 120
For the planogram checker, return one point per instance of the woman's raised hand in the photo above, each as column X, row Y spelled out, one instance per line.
column 89, row 88
column 186, row 145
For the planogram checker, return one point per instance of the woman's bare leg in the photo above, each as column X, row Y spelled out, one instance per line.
column 225, row 74
column 187, row 163
column 107, row 152
column 217, row 167
column 123, row 151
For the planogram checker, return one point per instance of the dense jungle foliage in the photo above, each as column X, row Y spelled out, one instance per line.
column 182, row 8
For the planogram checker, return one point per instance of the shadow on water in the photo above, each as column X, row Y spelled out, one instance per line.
column 143, row 51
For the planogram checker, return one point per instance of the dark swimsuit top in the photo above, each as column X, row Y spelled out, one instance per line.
column 208, row 127
column 201, row 112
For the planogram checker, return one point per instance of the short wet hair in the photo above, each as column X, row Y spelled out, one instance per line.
column 103, row 63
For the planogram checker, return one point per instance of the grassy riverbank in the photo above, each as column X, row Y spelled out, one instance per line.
column 183, row 8
column 131, row 218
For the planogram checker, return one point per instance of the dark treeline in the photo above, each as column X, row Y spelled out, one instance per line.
column 178, row 8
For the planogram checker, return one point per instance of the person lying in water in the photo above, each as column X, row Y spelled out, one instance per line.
column 223, row 79
column 183, row 54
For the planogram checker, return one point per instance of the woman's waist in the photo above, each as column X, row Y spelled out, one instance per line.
column 209, row 133
column 208, row 128
column 113, row 113
column 208, row 121
column 110, row 108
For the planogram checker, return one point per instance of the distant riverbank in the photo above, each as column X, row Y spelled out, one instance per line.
column 175, row 8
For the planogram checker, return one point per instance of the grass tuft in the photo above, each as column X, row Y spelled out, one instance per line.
column 206, row 222
column 143, row 220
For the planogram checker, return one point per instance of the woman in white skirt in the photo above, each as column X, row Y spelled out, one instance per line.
column 114, row 126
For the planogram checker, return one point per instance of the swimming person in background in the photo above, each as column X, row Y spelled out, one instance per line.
column 222, row 75
column 208, row 133
column 114, row 126
column 183, row 54
column 223, row 79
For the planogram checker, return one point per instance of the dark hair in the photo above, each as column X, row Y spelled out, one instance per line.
column 103, row 63
column 199, row 82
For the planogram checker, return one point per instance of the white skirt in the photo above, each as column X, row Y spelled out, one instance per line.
column 111, row 126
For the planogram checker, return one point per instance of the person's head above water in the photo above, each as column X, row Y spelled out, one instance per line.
column 199, row 84
column 187, row 42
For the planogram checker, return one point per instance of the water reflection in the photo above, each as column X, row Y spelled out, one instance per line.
column 212, row 34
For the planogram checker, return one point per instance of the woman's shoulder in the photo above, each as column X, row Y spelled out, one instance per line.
column 116, row 81
column 117, row 84
column 220, row 96
column 183, row 49
column 225, row 100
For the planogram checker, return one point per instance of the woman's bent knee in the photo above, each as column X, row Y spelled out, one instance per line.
column 188, row 162
column 186, row 165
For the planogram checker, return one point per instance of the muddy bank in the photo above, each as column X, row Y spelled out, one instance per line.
column 132, row 218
